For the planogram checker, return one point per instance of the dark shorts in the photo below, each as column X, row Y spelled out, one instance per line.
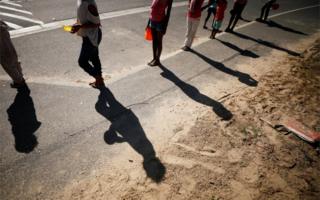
column 158, row 26
column 212, row 10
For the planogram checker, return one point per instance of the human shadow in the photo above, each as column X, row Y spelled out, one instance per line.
column 23, row 119
column 245, row 20
column 195, row 95
column 266, row 43
column 242, row 77
column 125, row 127
column 272, row 23
column 238, row 49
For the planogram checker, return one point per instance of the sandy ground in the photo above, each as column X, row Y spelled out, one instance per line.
column 242, row 158
column 246, row 159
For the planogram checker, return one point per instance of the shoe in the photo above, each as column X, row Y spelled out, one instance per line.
column 17, row 85
column 98, row 83
column 229, row 30
column 259, row 20
column 154, row 63
column 205, row 27
column 186, row 48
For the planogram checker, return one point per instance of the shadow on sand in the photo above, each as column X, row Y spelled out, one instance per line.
column 125, row 127
column 195, row 95
column 242, row 77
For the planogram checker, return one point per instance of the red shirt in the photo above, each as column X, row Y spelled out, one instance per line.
column 195, row 8
column 158, row 10
column 221, row 7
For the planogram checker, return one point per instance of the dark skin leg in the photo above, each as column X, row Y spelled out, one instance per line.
column 156, row 47
column 159, row 50
column 267, row 12
column 262, row 11
column 207, row 18
column 213, row 34
column 154, row 44
column 230, row 22
column 237, row 17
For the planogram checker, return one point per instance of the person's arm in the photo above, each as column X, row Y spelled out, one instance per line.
column 192, row 5
column 166, row 22
column 169, row 10
column 206, row 6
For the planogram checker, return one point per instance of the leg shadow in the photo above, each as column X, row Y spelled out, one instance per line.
column 272, row 23
column 245, row 20
column 242, row 77
column 125, row 127
column 195, row 95
column 266, row 43
column 23, row 119
column 241, row 51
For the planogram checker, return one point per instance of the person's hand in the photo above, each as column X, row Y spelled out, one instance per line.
column 75, row 28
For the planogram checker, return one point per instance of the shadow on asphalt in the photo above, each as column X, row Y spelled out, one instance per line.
column 238, row 49
column 242, row 77
column 125, row 127
column 23, row 119
column 272, row 23
column 266, row 43
column 194, row 94
column 245, row 20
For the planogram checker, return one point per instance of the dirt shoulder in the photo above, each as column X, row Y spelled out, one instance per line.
column 243, row 158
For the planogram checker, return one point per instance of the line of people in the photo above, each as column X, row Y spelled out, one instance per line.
column 217, row 9
column 88, row 26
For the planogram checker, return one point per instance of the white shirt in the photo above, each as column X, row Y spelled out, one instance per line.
column 87, row 12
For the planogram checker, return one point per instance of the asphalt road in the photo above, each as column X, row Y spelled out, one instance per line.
column 69, row 139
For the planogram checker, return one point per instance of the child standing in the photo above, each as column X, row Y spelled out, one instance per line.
column 265, row 10
column 236, row 11
column 158, row 22
column 212, row 6
column 218, row 18
column 193, row 20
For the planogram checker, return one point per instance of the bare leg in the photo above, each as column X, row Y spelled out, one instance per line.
column 237, row 17
column 156, row 47
column 262, row 12
column 267, row 12
column 206, row 20
column 159, row 50
column 230, row 23
column 213, row 34
column 154, row 43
